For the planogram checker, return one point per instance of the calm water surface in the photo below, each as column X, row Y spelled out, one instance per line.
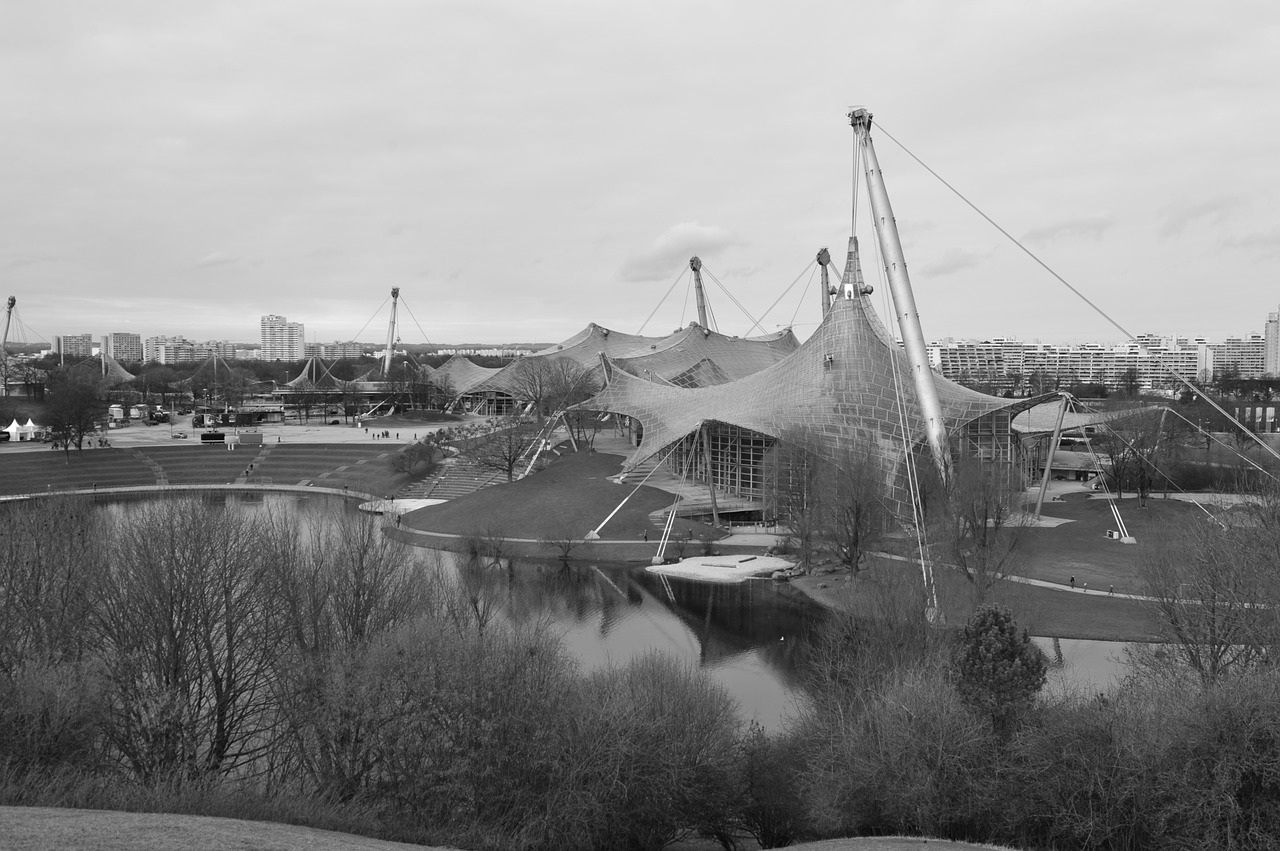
column 749, row 637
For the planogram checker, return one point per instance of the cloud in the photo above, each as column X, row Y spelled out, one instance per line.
column 952, row 260
column 216, row 258
column 1091, row 227
column 672, row 250
column 1261, row 242
column 1208, row 211
column 18, row 261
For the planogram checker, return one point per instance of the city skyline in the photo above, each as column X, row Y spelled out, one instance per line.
column 1269, row 329
column 520, row 170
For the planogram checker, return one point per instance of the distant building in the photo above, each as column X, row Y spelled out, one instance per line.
column 124, row 347
column 74, row 345
column 1271, row 346
column 477, row 351
column 282, row 339
column 1010, row 365
column 335, row 350
column 170, row 350
column 224, row 349
column 1248, row 355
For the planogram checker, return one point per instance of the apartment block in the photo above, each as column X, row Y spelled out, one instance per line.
column 74, row 345
column 124, row 347
column 282, row 339
column 170, row 350
column 335, row 350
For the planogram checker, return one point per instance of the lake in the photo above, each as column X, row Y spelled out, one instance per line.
column 749, row 637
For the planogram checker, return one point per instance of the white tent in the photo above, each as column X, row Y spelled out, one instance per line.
column 17, row 431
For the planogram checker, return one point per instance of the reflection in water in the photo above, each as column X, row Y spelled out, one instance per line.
column 1082, row 665
column 748, row 637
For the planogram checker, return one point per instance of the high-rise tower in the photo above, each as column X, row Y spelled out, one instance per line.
column 1271, row 345
column 282, row 339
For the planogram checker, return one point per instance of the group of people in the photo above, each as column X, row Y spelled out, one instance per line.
column 90, row 442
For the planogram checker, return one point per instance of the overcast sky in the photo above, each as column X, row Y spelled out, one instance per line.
column 520, row 169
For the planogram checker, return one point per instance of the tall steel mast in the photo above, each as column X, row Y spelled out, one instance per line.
column 904, row 302
column 8, row 315
column 695, row 263
column 4, row 348
column 391, row 333
column 824, row 258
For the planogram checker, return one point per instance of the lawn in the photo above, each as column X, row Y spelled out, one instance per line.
column 572, row 495
column 48, row 828
column 1082, row 549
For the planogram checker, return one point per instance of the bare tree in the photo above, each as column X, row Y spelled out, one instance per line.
column 503, row 448
column 551, row 383
column 441, row 391
column 796, row 498
column 49, row 554
column 584, row 426
column 342, row 587
column 1215, row 593
column 190, row 642
column 829, row 506
column 75, row 409
column 1133, row 446
column 305, row 398
column 982, row 525
column 564, row 539
column 856, row 515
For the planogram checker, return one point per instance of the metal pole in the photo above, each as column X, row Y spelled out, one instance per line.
column 696, row 265
column 391, row 334
column 1048, row 463
column 903, row 300
column 824, row 258
column 711, row 487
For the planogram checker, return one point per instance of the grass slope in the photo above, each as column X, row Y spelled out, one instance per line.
column 573, row 493
column 48, row 828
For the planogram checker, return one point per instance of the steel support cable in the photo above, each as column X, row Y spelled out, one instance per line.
column 781, row 297
column 1154, row 466
column 664, row 298
column 857, row 176
column 371, row 318
column 1143, row 459
column 25, row 329
column 711, row 313
column 1168, row 368
column 595, row 533
column 1102, row 478
column 1233, row 451
column 725, row 290
column 804, row 294
column 415, row 320
column 669, row 525
column 684, row 308
column 913, row 479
